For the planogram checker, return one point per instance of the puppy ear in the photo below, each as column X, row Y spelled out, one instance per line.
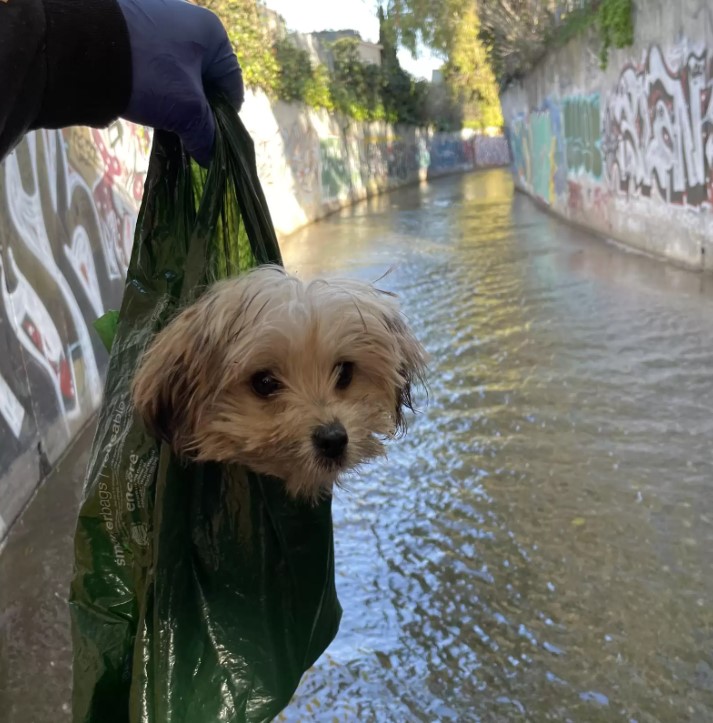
column 412, row 369
column 171, row 383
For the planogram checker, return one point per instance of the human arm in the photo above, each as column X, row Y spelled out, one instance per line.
column 56, row 71
column 87, row 62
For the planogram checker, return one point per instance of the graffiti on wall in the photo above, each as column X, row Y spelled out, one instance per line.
column 517, row 135
column 648, row 136
column 542, row 145
column 537, row 149
column 67, row 212
column 289, row 151
column 397, row 159
column 327, row 168
column 374, row 159
column 450, row 154
column 537, row 152
column 335, row 176
column 402, row 160
column 582, row 134
column 658, row 128
column 491, row 151
column 387, row 158
column 302, row 155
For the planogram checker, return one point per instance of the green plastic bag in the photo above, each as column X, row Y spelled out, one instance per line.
column 201, row 593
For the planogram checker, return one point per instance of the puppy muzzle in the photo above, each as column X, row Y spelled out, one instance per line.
column 330, row 441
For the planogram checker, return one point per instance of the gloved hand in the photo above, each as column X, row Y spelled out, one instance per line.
column 178, row 50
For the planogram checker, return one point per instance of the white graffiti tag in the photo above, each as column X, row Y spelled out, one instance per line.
column 658, row 129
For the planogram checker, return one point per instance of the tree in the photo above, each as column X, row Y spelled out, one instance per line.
column 295, row 70
column 442, row 109
column 399, row 100
column 517, row 33
column 348, row 85
column 469, row 74
column 298, row 79
column 452, row 29
column 430, row 22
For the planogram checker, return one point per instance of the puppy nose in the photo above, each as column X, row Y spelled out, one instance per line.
column 330, row 439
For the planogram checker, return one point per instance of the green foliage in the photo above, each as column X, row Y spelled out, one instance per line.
column 406, row 100
column 298, row 80
column 243, row 19
column 317, row 93
column 469, row 74
column 278, row 66
column 348, row 86
column 430, row 22
column 616, row 26
column 452, row 29
column 357, row 88
column 443, row 109
column 295, row 70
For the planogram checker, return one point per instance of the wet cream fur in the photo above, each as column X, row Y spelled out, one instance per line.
column 193, row 387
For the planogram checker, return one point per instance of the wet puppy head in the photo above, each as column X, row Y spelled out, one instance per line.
column 299, row 381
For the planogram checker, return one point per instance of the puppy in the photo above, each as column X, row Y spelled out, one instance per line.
column 299, row 381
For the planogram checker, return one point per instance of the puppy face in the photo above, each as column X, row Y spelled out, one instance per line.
column 302, row 382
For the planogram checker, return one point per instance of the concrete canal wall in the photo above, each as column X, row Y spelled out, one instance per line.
column 626, row 151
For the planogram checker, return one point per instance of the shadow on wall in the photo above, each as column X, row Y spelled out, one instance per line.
column 68, row 204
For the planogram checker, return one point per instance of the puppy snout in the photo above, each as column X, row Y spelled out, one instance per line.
column 330, row 440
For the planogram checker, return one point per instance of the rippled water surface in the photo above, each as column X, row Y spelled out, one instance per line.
column 540, row 547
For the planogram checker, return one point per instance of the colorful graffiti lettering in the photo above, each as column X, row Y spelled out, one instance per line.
column 542, row 145
column 652, row 135
column 537, row 149
column 658, row 128
column 65, row 238
column 582, row 134
column 558, row 153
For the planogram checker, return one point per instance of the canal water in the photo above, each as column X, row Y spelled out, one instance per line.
column 540, row 546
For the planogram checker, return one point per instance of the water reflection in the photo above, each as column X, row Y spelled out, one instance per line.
column 539, row 546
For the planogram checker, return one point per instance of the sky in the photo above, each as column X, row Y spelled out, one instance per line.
column 310, row 15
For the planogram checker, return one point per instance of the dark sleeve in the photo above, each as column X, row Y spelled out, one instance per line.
column 62, row 63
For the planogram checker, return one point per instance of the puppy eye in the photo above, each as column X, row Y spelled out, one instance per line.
column 264, row 384
column 345, row 372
